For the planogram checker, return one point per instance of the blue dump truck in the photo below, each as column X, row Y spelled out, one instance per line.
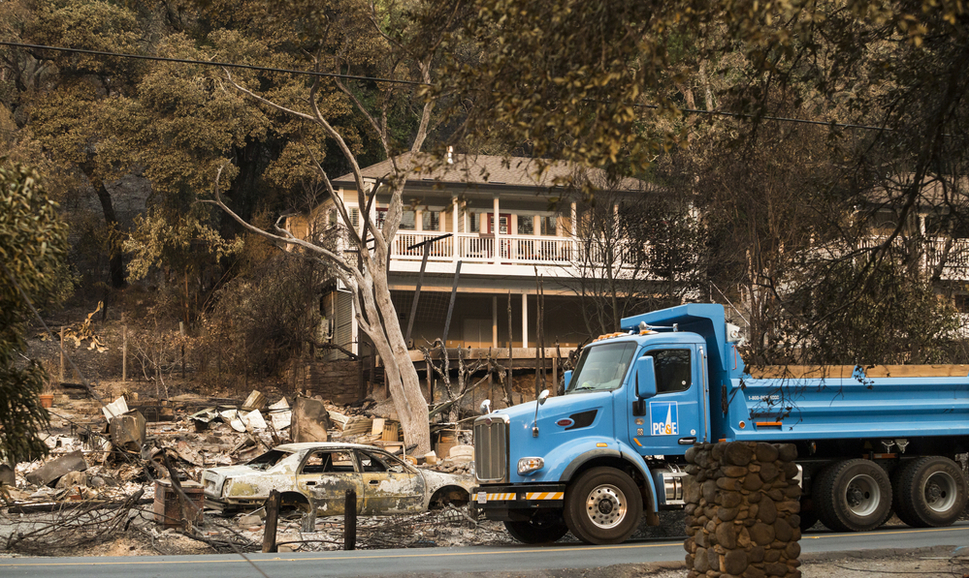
column 596, row 460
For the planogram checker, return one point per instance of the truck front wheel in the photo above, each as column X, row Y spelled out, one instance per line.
column 603, row 506
column 852, row 496
column 930, row 491
column 543, row 527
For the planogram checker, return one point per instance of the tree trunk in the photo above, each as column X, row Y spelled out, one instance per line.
column 409, row 401
column 116, row 263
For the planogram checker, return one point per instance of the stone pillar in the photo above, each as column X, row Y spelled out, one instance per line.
column 742, row 511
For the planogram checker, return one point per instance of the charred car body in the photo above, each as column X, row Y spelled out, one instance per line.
column 319, row 475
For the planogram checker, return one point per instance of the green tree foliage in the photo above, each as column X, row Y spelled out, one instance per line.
column 91, row 120
column 61, row 97
column 590, row 81
column 33, row 243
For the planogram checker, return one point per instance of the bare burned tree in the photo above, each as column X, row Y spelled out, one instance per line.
column 467, row 369
column 362, row 267
column 637, row 251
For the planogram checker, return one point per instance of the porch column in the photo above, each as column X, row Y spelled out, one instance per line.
column 572, row 230
column 496, row 227
column 923, row 261
column 455, row 241
column 495, row 321
column 525, row 320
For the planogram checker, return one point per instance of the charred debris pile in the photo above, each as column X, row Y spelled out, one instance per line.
column 124, row 478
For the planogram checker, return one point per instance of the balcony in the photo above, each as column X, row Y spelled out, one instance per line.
column 475, row 248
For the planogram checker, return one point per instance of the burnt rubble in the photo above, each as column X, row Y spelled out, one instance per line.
column 116, row 478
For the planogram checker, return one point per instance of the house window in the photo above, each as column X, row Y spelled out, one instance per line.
column 473, row 223
column 332, row 217
column 355, row 216
column 525, row 225
column 430, row 221
column 407, row 219
column 547, row 225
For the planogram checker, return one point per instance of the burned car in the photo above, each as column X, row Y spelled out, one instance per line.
column 319, row 475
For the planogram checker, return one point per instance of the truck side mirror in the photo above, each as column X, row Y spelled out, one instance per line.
column 567, row 376
column 646, row 378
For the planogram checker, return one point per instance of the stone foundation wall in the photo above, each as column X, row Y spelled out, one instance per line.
column 742, row 511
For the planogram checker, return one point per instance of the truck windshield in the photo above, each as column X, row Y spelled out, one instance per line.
column 601, row 367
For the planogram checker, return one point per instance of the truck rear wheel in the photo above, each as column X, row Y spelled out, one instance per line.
column 543, row 527
column 852, row 496
column 807, row 515
column 929, row 491
column 603, row 506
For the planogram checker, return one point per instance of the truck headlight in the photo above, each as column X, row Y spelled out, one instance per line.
column 529, row 465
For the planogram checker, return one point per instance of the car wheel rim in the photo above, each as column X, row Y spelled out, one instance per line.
column 606, row 506
column 862, row 495
column 939, row 492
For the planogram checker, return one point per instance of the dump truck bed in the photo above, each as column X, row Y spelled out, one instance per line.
column 789, row 403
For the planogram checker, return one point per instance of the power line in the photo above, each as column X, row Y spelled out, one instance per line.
column 774, row 118
column 413, row 83
column 208, row 63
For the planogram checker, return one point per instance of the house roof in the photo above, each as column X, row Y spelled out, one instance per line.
column 487, row 170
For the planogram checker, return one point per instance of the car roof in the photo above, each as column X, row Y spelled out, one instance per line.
column 303, row 446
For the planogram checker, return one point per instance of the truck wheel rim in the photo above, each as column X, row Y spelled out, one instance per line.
column 606, row 506
column 940, row 492
column 862, row 495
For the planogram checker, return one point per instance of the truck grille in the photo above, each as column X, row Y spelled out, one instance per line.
column 492, row 448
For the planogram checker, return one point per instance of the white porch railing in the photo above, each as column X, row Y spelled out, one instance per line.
column 539, row 250
column 933, row 251
column 473, row 247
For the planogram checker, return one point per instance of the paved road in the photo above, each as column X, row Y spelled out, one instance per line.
column 440, row 561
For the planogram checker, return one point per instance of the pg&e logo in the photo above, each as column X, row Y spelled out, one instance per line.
column 663, row 418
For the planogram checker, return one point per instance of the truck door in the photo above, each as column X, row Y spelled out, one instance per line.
column 675, row 417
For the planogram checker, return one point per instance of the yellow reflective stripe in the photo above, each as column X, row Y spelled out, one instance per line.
column 543, row 496
column 499, row 497
column 528, row 496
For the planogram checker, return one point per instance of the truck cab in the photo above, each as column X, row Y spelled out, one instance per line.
column 633, row 406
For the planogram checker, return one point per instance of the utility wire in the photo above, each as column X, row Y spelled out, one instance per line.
column 414, row 83
column 774, row 118
column 207, row 63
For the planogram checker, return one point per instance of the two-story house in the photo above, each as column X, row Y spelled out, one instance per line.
column 491, row 226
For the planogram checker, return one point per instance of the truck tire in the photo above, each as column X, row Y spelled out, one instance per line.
column 806, row 514
column 540, row 529
column 603, row 506
column 852, row 496
column 929, row 491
